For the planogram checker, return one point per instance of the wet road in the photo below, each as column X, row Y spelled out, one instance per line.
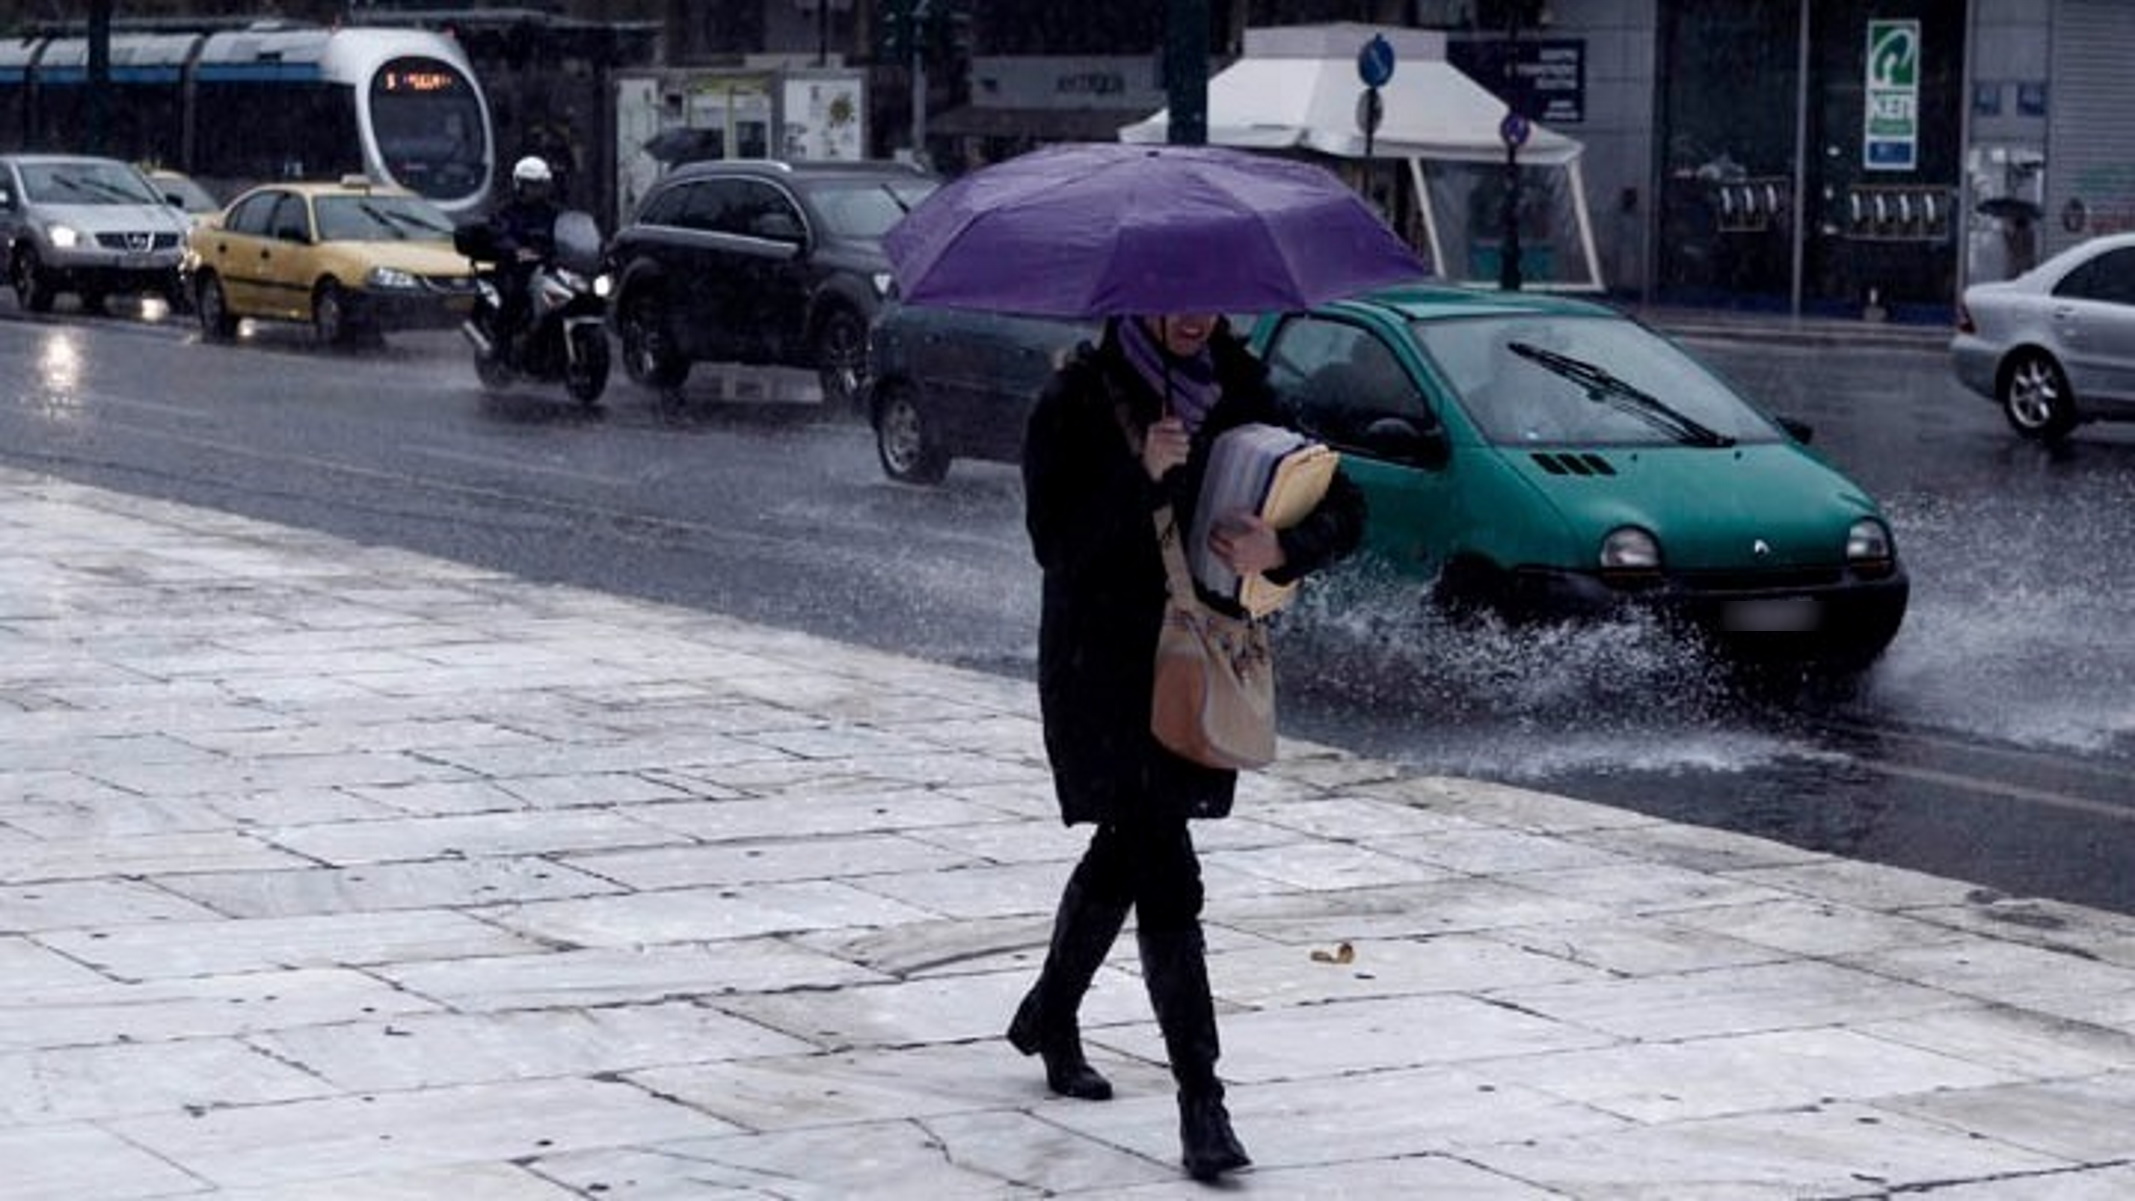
column 1996, row 743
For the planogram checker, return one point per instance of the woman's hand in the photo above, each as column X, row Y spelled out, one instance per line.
column 1164, row 447
column 1247, row 543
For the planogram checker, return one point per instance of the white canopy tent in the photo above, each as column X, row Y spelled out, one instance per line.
column 1297, row 89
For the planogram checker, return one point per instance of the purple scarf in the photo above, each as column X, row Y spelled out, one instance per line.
column 1188, row 386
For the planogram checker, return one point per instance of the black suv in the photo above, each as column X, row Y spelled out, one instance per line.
column 757, row 261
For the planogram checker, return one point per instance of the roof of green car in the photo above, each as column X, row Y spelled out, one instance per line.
column 1428, row 300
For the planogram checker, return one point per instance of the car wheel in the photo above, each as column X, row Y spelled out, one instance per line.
column 213, row 308
column 905, row 439
column 33, row 289
column 330, row 318
column 649, row 354
column 841, row 356
column 2036, row 397
column 585, row 376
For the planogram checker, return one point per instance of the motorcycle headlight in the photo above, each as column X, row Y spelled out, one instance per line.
column 391, row 279
column 884, row 281
column 65, row 237
column 604, row 285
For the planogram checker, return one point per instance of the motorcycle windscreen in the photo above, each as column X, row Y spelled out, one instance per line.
column 577, row 242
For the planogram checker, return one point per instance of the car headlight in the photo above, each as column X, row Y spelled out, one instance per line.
column 884, row 281
column 65, row 237
column 1630, row 550
column 392, row 279
column 1869, row 547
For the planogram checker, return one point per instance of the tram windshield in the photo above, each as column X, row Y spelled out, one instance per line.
column 428, row 122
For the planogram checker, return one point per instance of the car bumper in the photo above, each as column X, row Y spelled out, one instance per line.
column 111, row 273
column 1975, row 364
column 1845, row 620
column 416, row 310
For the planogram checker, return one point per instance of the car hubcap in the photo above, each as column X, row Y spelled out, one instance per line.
column 2032, row 395
column 900, row 435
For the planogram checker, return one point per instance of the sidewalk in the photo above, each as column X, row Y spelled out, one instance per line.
column 334, row 873
column 1786, row 329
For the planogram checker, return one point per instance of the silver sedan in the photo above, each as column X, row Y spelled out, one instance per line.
column 2055, row 347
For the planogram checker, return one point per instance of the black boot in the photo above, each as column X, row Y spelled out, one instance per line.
column 1175, row 966
column 1045, row 1023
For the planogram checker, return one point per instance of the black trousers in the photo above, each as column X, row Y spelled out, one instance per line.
column 1148, row 864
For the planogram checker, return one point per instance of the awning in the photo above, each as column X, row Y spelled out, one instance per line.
column 1044, row 124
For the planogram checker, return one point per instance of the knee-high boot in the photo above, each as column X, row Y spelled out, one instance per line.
column 1046, row 1023
column 1175, row 966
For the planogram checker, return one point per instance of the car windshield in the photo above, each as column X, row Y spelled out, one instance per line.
column 191, row 196
column 866, row 208
column 86, row 183
column 1533, row 378
column 381, row 219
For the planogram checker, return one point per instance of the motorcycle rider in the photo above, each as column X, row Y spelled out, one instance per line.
column 524, row 230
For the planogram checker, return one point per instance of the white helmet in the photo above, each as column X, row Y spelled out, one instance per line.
column 531, row 169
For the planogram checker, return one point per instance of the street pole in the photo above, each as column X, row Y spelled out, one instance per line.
column 918, row 26
column 1508, row 267
column 99, row 118
column 1186, row 71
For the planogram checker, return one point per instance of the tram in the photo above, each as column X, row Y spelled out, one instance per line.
column 271, row 100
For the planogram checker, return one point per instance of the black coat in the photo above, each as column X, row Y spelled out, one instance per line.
column 1090, row 512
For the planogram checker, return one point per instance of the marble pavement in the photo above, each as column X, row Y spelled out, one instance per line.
column 335, row 873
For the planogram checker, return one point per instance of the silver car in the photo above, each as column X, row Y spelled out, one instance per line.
column 94, row 227
column 2055, row 347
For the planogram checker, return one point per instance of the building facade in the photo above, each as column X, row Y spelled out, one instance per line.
column 1841, row 156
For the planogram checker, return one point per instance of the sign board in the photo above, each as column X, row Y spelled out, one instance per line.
column 1547, row 80
column 1514, row 130
column 1890, row 123
column 1371, row 110
column 1375, row 62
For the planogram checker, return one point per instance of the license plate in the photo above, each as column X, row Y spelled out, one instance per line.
column 136, row 262
column 1777, row 615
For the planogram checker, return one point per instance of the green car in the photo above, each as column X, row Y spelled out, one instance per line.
column 1544, row 458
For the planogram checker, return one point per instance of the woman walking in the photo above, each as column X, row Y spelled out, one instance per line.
column 1122, row 429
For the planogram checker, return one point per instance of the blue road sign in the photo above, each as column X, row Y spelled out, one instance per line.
column 1514, row 130
column 1375, row 62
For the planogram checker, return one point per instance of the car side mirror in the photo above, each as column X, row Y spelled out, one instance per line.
column 1797, row 429
column 1418, row 442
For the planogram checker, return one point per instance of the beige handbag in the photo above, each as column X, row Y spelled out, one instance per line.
column 1215, row 677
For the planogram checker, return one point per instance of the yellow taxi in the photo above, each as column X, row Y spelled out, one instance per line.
column 351, row 258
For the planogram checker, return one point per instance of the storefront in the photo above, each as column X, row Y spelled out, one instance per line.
column 1811, row 155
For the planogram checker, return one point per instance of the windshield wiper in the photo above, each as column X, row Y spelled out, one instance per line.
column 96, row 187
column 1624, row 396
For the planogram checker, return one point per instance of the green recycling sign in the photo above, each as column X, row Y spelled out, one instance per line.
column 1890, row 135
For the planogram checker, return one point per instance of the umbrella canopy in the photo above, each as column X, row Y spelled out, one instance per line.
column 1104, row 229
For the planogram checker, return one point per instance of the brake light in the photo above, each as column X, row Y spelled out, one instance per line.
column 1964, row 320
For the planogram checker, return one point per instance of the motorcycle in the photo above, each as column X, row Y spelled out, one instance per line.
column 563, row 334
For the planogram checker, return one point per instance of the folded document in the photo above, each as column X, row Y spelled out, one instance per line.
column 1279, row 474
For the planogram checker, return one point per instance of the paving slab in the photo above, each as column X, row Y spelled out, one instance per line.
column 335, row 873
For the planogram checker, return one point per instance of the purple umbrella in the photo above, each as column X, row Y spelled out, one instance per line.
column 1102, row 229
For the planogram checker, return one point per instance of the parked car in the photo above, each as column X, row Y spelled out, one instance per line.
column 2055, row 347
column 351, row 258
column 760, row 262
column 93, row 227
column 946, row 384
column 1543, row 458
column 183, row 190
